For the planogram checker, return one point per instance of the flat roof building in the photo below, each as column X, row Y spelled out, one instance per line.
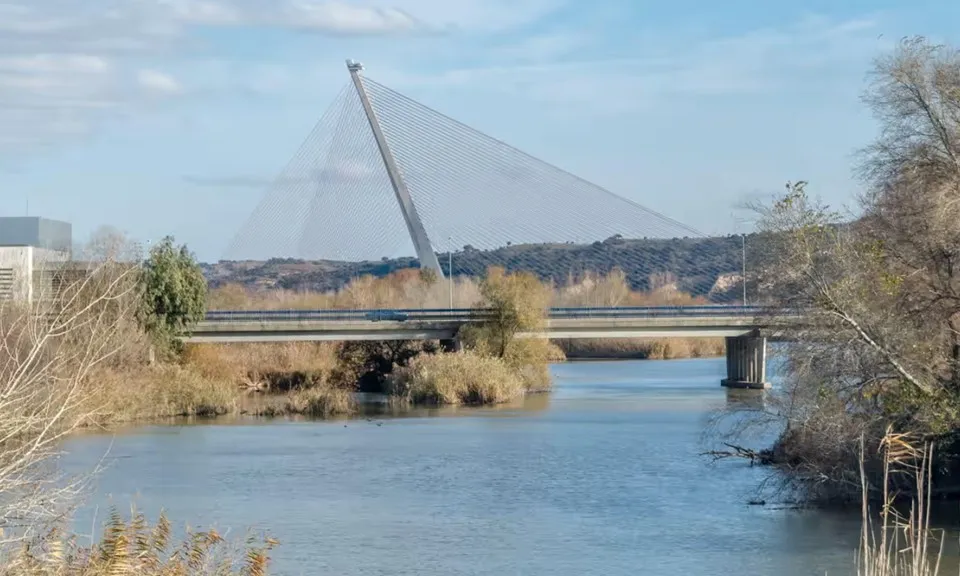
column 26, row 245
column 37, row 232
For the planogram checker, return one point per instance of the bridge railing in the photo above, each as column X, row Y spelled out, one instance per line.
column 388, row 314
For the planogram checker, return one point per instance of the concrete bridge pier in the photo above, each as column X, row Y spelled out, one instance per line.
column 746, row 363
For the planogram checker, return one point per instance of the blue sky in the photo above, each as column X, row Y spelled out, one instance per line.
column 171, row 116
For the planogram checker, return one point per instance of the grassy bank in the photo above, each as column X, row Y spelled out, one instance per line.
column 641, row 349
column 213, row 380
column 318, row 379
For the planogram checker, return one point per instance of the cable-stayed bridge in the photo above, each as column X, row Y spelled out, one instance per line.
column 381, row 176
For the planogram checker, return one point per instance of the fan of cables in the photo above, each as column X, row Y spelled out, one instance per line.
column 482, row 203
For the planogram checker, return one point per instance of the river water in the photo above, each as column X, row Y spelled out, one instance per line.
column 602, row 476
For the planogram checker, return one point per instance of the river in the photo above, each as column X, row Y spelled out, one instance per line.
column 602, row 476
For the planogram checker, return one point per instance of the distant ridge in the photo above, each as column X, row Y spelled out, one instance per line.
column 694, row 264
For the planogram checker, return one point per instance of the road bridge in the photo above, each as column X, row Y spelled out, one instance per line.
column 383, row 174
column 740, row 325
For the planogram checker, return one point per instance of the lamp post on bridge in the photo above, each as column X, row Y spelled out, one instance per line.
column 743, row 261
column 743, row 253
column 450, row 268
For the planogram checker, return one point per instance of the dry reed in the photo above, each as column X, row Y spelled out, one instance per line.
column 264, row 366
column 643, row 349
column 901, row 544
column 135, row 547
column 456, row 378
column 531, row 360
column 153, row 392
column 321, row 402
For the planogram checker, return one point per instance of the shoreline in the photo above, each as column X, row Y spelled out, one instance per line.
column 625, row 358
column 266, row 404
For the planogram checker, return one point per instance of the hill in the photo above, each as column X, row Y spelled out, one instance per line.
column 698, row 266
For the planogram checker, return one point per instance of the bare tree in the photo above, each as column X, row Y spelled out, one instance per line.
column 50, row 351
column 877, row 340
column 912, row 206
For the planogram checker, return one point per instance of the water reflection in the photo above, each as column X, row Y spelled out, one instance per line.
column 738, row 399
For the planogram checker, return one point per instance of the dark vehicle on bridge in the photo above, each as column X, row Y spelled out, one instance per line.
column 386, row 316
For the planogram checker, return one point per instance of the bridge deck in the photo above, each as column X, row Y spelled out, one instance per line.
column 437, row 325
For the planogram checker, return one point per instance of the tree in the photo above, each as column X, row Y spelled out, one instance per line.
column 513, row 303
column 50, row 386
column 878, row 343
column 173, row 292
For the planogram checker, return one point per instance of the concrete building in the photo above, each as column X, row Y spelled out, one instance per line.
column 30, row 247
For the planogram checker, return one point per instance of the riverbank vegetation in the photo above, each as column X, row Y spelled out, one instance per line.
column 902, row 543
column 494, row 365
column 411, row 288
column 136, row 547
column 54, row 356
column 642, row 348
column 878, row 344
column 150, row 375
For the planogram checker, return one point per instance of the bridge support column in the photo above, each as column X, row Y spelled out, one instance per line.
column 451, row 345
column 746, row 363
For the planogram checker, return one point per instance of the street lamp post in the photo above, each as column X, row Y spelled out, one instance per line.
column 450, row 269
column 743, row 261
column 743, row 253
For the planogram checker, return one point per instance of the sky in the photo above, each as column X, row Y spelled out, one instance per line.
column 171, row 117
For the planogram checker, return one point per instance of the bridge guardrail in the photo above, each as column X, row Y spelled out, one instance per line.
column 461, row 314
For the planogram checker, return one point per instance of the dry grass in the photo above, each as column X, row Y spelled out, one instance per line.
column 402, row 289
column 645, row 349
column 531, row 360
column 321, row 402
column 135, row 547
column 409, row 289
column 456, row 378
column 612, row 289
column 901, row 544
column 210, row 380
column 153, row 392
column 280, row 366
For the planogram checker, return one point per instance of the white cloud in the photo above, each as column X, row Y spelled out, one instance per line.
column 758, row 61
column 70, row 57
column 479, row 15
column 55, row 63
column 343, row 18
column 28, row 26
column 47, row 80
column 203, row 12
column 158, row 82
column 359, row 17
column 46, row 97
column 363, row 16
column 77, row 57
